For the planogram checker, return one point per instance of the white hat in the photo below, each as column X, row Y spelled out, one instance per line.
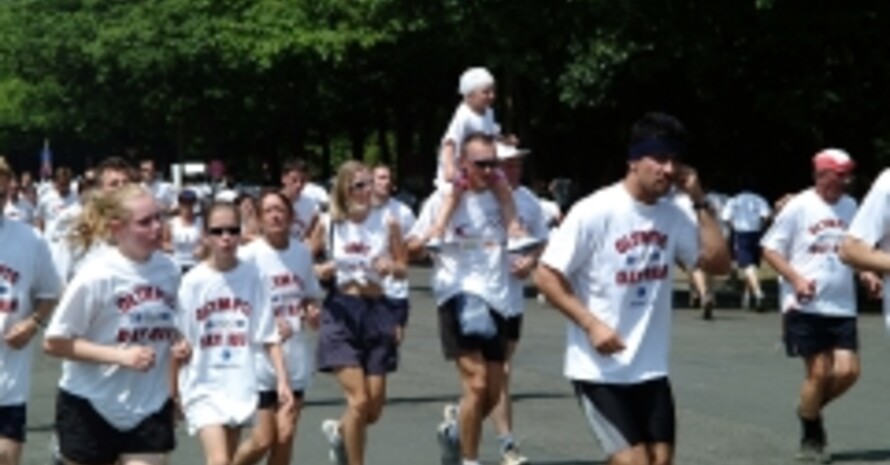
column 505, row 152
column 474, row 78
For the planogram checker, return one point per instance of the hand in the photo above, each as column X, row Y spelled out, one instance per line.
column 605, row 340
column 522, row 266
column 804, row 289
column 325, row 271
column 285, row 330
column 399, row 334
column 181, row 351
column 873, row 284
column 686, row 179
column 312, row 314
column 285, row 396
column 383, row 266
column 21, row 333
column 139, row 358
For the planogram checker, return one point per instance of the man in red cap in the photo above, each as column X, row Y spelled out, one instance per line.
column 818, row 293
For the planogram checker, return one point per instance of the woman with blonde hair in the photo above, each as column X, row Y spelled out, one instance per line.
column 115, row 329
column 357, row 334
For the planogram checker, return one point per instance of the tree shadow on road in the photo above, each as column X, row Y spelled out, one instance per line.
column 871, row 455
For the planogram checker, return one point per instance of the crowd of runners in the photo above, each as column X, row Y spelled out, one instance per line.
column 193, row 303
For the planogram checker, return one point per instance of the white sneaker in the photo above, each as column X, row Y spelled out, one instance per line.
column 434, row 245
column 449, row 447
column 450, row 413
column 336, row 450
column 521, row 245
column 511, row 456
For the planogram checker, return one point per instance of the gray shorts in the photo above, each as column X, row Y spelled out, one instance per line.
column 357, row 332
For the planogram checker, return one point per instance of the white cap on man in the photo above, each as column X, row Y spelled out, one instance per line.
column 506, row 152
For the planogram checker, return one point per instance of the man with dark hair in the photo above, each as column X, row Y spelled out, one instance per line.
column 163, row 192
column 609, row 269
column 294, row 176
column 112, row 173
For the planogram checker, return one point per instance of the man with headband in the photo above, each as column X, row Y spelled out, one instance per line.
column 818, row 292
column 609, row 269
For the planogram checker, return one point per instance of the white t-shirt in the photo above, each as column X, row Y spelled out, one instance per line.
column 20, row 210
column 289, row 278
column 871, row 225
column 619, row 254
column 58, row 234
column 464, row 122
column 354, row 247
column 26, row 274
column 397, row 288
column 184, row 239
column 531, row 215
column 746, row 212
column 117, row 302
column 551, row 212
column 807, row 233
column 316, row 193
column 164, row 194
column 474, row 259
column 305, row 212
column 225, row 317
column 49, row 209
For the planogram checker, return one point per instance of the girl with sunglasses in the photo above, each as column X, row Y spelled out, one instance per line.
column 357, row 336
column 286, row 269
column 114, row 328
column 224, row 317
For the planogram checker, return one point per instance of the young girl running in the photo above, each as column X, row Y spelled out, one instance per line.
column 224, row 317
column 357, row 340
column 182, row 233
column 286, row 268
column 114, row 327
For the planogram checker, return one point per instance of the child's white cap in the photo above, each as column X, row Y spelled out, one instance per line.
column 474, row 78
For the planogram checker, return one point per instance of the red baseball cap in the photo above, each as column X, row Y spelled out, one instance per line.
column 835, row 160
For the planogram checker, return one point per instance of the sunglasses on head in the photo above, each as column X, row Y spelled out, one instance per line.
column 219, row 231
column 486, row 164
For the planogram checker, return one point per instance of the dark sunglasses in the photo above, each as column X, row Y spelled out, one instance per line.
column 486, row 164
column 232, row 231
column 359, row 185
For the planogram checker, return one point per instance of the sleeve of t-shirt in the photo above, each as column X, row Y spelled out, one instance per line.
column 76, row 308
column 406, row 219
column 495, row 127
column 47, row 284
column 870, row 224
column 572, row 243
column 455, row 131
column 778, row 237
column 184, row 314
column 265, row 329
column 313, row 289
column 425, row 220
column 537, row 219
column 687, row 239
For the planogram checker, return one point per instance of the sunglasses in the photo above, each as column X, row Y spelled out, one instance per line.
column 230, row 230
column 359, row 185
column 486, row 164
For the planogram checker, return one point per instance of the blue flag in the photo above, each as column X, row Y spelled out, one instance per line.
column 46, row 161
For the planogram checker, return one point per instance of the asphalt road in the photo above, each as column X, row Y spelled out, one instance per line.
column 735, row 393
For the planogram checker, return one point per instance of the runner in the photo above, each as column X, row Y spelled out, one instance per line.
column 29, row 292
column 818, row 294
column 114, row 328
column 182, row 233
column 531, row 215
column 357, row 337
column 225, row 316
column 287, row 271
column 748, row 214
column 470, row 285
column 609, row 269
column 294, row 175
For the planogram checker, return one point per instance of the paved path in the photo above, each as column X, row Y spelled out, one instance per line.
column 735, row 394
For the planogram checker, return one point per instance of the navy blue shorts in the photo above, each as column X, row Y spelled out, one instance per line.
column 12, row 422
column 746, row 246
column 269, row 399
column 85, row 437
column 809, row 334
column 455, row 343
column 400, row 309
column 357, row 332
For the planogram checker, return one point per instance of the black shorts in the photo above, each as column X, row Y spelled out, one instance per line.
column 513, row 328
column 357, row 332
column 269, row 399
column 85, row 437
column 622, row 416
column 747, row 249
column 12, row 422
column 808, row 334
column 455, row 344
